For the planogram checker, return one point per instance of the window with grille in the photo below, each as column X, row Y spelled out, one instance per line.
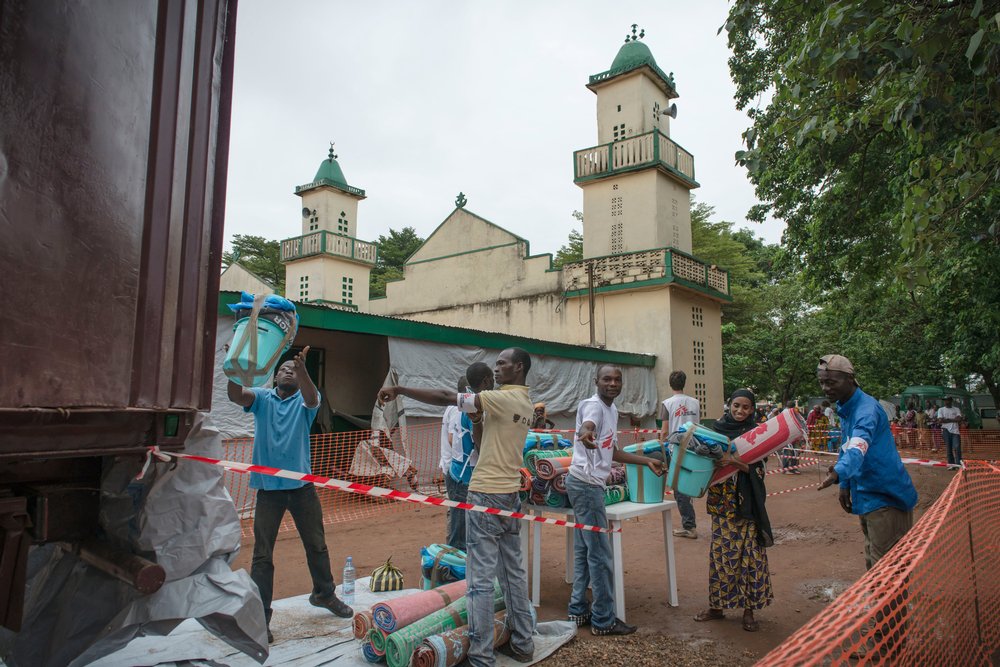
column 699, row 357
column 342, row 223
column 303, row 287
column 347, row 290
column 313, row 222
column 701, row 394
column 697, row 316
column 619, row 132
column 616, row 206
column 617, row 234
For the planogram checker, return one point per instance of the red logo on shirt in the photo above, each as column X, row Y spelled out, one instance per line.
column 607, row 442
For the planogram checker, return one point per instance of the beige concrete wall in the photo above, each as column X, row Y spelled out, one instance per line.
column 326, row 275
column 629, row 101
column 653, row 210
column 236, row 279
column 696, row 329
column 329, row 203
column 460, row 232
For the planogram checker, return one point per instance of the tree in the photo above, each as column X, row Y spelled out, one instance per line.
column 393, row 251
column 259, row 256
column 571, row 252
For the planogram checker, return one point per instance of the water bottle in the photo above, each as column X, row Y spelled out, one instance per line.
column 347, row 588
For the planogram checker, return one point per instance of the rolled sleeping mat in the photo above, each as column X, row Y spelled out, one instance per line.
column 362, row 624
column 558, row 482
column 450, row 648
column 377, row 638
column 615, row 494
column 779, row 431
column 525, row 479
column 547, row 468
column 617, row 475
column 369, row 653
column 530, row 458
column 399, row 612
column 555, row 499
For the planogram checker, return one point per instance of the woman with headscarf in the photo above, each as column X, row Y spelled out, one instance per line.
column 738, row 576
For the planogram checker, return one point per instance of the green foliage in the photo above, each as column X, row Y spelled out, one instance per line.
column 259, row 256
column 393, row 251
column 571, row 252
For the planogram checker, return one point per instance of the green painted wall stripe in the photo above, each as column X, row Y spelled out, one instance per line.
column 464, row 252
column 328, row 319
column 718, row 296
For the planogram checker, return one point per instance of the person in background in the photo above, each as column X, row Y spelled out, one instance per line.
column 449, row 423
column 594, row 448
column 540, row 419
column 833, row 442
column 738, row 575
column 950, row 416
column 909, row 424
column 933, row 425
column 283, row 416
column 922, row 431
column 674, row 411
column 450, row 447
column 464, row 457
column 873, row 482
column 500, row 420
column 818, row 426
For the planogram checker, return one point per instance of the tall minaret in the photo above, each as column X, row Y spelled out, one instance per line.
column 327, row 264
column 636, row 181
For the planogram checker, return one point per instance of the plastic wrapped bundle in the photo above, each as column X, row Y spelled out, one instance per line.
column 555, row 499
column 531, row 457
column 369, row 653
column 615, row 494
column 525, row 479
column 400, row 612
column 559, row 482
column 705, row 442
column 401, row 643
column 547, row 468
column 441, row 564
column 452, row 647
column 617, row 475
column 535, row 440
column 362, row 624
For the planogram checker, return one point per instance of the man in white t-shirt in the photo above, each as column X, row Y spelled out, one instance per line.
column 677, row 410
column 949, row 416
column 451, row 449
column 594, row 448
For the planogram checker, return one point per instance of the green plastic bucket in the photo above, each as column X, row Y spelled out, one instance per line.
column 241, row 367
column 644, row 485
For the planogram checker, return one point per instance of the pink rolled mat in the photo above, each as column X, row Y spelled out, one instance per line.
column 549, row 468
column 784, row 429
column 400, row 612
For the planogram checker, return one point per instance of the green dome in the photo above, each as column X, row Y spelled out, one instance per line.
column 631, row 55
column 331, row 171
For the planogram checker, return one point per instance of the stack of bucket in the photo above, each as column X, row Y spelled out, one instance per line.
column 264, row 330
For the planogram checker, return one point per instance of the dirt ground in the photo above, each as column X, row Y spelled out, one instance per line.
column 818, row 552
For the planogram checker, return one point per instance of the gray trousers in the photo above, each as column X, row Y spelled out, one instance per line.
column 883, row 528
column 494, row 552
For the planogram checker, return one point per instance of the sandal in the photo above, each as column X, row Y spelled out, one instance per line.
column 710, row 615
column 750, row 624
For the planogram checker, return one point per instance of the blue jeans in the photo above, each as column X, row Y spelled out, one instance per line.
column 686, row 509
column 303, row 504
column 456, row 517
column 592, row 555
column 953, row 444
column 494, row 552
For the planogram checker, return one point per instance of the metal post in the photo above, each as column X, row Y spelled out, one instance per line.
column 590, row 299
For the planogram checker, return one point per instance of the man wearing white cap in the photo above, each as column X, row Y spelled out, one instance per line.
column 873, row 482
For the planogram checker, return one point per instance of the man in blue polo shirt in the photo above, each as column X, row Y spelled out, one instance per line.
column 873, row 482
column 283, row 417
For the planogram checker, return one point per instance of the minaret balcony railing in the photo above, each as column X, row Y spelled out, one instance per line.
column 646, row 268
column 638, row 152
column 327, row 243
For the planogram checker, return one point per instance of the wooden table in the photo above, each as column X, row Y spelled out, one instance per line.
column 617, row 514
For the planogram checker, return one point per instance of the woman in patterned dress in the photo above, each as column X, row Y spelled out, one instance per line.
column 738, row 577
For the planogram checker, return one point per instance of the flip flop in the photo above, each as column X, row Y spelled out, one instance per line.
column 709, row 615
column 750, row 625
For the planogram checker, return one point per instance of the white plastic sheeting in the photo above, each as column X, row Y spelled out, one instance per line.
column 558, row 382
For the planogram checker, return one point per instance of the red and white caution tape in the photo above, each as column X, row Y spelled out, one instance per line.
column 797, row 488
column 377, row 491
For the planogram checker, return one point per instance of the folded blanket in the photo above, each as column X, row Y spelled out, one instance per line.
column 617, row 475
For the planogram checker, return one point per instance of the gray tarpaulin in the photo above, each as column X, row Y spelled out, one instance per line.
column 558, row 382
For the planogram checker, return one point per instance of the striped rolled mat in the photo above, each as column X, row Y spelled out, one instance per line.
column 559, row 482
column 369, row 653
column 400, row 612
column 524, row 496
column 615, row 494
column 547, row 468
column 400, row 644
column 617, row 475
column 452, row 647
column 525, row 479
column 531, row 457
column 377, row 638
column 555, row 499
column 362, row 624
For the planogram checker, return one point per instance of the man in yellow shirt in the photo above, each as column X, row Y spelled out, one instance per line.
column 500, row 425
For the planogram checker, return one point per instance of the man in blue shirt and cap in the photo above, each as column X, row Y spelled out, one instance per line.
column 873, row 482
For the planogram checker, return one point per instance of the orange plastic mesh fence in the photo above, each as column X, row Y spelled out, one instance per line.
column 933, row 600
column 976, row 444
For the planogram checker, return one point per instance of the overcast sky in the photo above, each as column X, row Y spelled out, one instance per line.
column 426, row 99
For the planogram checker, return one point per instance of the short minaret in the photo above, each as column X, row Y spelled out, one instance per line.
column 636, row 181
column 328, row 264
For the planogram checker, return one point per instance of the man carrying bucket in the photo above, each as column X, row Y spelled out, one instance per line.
column 676, row 411
column 500, row 420
column 594, row 448
column 283, row 416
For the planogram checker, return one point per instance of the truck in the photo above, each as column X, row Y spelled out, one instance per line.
column 114, row 142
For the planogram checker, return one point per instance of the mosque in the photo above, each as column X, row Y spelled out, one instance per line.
column 638, row 290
